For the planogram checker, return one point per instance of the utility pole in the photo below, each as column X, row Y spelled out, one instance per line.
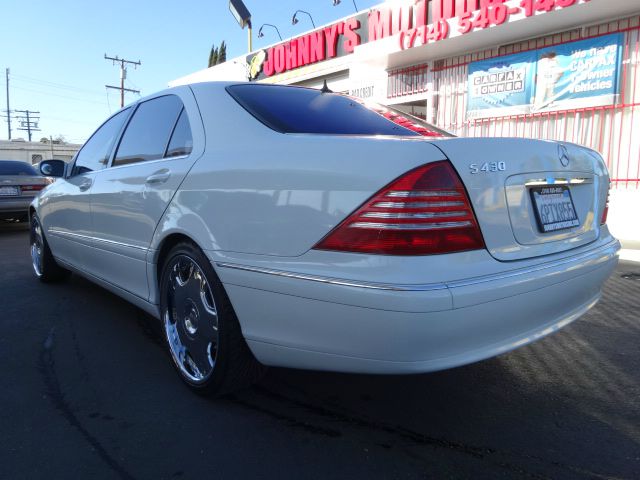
column 28, row 123
column 123, row 75
column 8, row 107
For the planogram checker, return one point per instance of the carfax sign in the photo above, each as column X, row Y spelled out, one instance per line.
column 504, row 84
column 573, row 75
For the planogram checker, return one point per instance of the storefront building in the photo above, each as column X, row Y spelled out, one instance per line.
column 550, row 69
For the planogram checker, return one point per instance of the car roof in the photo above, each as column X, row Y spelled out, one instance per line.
column 221, row 85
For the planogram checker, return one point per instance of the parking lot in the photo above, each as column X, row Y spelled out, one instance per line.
column 88, row 392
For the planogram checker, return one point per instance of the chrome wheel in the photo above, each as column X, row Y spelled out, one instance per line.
column 190, row 319
column 37, row 247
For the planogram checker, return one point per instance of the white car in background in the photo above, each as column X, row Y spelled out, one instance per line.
column 272, row 225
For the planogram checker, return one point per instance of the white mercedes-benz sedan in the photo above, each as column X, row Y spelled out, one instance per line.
column 272, row 225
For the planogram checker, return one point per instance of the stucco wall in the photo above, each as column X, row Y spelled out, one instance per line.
column 34, row 152
column 624, row 216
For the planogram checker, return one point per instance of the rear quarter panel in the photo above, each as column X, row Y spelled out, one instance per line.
column 261, row 192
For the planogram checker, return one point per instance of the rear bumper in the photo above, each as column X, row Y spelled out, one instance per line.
column 14, row 205
column 293, row 321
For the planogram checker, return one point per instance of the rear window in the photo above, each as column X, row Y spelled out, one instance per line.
column 405, row 120
column 16, row 168
column 305, row 110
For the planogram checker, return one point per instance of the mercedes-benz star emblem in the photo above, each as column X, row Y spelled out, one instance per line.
column 563, row 154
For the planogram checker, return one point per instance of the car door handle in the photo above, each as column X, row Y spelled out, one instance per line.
column 160, row 176
column 85, row 185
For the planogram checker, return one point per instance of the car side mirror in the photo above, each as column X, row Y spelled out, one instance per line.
column 53, row 168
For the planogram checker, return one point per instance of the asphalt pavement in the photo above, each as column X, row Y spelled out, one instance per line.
column 89, row 392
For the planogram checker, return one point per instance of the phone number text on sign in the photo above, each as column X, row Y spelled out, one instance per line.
column 415, row 37
column 497, row 12
column 490, row 13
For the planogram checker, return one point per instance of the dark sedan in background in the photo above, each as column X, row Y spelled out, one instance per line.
column 19, row 184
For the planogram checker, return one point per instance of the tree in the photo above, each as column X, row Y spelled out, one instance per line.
column 213, row 56
column 218, row 55
column 57, row 140
column 222, row 53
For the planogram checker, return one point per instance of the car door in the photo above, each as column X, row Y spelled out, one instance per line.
column 65, row 212
column 160, row 143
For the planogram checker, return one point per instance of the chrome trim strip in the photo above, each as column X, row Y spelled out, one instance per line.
column 335, row 281
column 426, row 193
column 417, row 204
column 148, row 162
column 413, row 215
column 605, row 252
column 558, row 181
column 55, row 231
column 410, row 226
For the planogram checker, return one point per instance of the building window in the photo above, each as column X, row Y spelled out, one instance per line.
column 408, row 81
column 36, row 159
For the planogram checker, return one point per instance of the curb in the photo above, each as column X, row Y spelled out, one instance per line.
column 630, row 255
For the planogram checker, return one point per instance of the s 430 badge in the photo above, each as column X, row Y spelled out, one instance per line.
column 487, row 167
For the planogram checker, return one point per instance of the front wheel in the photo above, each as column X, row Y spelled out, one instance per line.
column 44, row 265
column 201, row 330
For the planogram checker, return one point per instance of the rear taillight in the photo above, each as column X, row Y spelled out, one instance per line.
column 426, row 211
column 605, row 212
column 31, row 188
column 407, row 123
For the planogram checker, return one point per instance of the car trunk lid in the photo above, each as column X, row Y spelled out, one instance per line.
column 523, row 190
column 21, row 185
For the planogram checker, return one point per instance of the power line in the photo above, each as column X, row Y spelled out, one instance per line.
column 31, row 90
column 62, row 119
column 123, row 75
column 108, row 102
column 8, row 107
column 28, row 122
column 130, row 84
column 59, row 86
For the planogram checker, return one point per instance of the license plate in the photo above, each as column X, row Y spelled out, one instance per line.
column 9, row 191
column 554, row 208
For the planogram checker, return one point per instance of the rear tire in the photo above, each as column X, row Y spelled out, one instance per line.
column 44, row 265
column 200, row 328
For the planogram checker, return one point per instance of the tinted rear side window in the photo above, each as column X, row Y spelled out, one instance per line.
column 305, row 110
column 148, row 132
column 16, row 168
column 181, row 142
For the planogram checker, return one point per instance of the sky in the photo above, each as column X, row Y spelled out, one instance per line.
column 55, row 50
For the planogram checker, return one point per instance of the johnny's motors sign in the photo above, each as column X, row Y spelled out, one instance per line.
column 416, row 23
